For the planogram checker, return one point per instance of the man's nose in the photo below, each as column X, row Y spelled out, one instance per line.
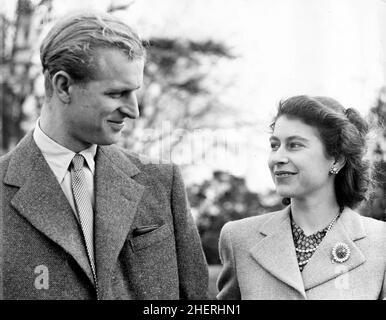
column 130, row 106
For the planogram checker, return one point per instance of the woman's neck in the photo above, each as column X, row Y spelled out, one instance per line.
column 313, row 214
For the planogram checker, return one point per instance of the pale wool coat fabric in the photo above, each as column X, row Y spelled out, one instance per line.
column 146, row 243
column 259, row 260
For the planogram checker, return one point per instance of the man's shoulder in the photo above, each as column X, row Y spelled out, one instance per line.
column 148, row 170
column 19, row 151
column 4, row 158
column 147, row 162
column 141, row 161
column 4, row 161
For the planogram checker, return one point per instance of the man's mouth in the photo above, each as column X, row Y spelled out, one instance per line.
column 116, row 121
column 116, row 125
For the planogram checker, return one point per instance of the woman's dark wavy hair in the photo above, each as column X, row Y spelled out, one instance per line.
column 343, row 133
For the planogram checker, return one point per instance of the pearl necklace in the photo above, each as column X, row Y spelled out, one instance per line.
column 313, row 249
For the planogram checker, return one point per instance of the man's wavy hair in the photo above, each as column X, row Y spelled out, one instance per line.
column 71, row 45
column 343, row 133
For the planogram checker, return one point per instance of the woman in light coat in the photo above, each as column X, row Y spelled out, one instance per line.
column 318, row 247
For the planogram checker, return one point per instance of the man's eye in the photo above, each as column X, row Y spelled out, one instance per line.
column 115, row 95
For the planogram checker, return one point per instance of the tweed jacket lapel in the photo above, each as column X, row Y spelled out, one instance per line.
column 117, row 197
column 276, row 251
column 42, row 202
column 321, row 268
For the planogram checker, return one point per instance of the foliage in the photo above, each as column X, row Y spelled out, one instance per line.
column 18, row 71
column 177, row 86
column 178, row 91
column 376, row 207
column 225, row 198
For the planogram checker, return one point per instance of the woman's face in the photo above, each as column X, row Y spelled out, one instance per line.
column 298, row 162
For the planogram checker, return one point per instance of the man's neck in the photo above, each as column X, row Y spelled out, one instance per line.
column 55, row 130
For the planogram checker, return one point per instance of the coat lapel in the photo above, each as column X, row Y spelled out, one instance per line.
column 42, row 202
column 117, row 198
column 276, row 251
column 321, row 268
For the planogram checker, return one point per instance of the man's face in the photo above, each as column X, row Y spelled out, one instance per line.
column 97, row 109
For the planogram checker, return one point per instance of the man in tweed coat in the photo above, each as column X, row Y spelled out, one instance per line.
column 144, row 241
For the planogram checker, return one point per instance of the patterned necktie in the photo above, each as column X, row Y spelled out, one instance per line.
column 83, row 207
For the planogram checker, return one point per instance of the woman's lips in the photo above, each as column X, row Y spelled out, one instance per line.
column 284, row 174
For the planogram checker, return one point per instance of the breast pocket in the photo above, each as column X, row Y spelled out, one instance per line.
column 151, row 238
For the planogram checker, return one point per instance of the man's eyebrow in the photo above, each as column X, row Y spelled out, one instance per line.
column 122, row 88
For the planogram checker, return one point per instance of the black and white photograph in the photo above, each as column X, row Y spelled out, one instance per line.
column 211, row 151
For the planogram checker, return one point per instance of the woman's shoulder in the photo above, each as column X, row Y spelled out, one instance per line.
column 244, row 233
column 251, row 223
column 372, row 228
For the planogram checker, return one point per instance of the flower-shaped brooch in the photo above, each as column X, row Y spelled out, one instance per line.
column 340, row 252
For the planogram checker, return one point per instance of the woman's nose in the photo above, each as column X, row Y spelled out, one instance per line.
column 279, row 156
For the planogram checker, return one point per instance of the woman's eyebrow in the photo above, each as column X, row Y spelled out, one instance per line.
column 297, row 138
column 290, row 138
column 273, row 138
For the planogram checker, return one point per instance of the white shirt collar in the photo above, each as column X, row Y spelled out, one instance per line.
column 59, row 157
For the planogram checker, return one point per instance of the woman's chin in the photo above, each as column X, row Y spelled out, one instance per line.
column 282, row 192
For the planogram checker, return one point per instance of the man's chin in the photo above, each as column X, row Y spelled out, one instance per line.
column 108, row 140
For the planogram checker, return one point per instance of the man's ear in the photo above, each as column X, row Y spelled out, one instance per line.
column 61, row 82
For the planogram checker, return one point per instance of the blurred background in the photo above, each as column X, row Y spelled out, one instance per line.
column 215, row 73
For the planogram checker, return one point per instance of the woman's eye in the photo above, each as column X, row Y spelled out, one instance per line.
column 295, row 145
column 274, row 146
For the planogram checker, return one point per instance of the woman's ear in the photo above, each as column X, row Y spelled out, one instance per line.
column 61, row 82
column 339, row 163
